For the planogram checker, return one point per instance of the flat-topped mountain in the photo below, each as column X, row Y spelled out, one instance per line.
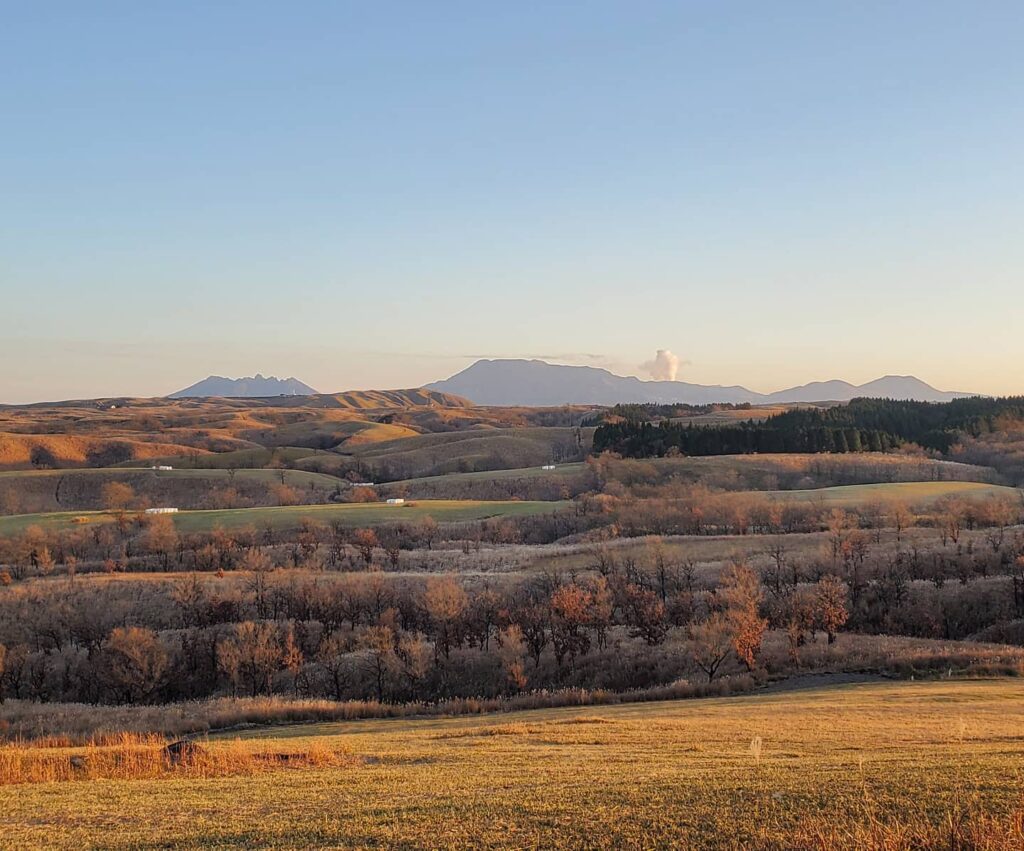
column 535, row 382
column 257, row 385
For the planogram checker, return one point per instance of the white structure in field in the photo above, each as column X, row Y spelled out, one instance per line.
column 161, row 511
column 162, row 467
column 363, row 485
column 548, row 467
column 396, row 500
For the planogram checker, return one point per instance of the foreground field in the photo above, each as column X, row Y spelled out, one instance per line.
column 286, row 517
column 832, row 768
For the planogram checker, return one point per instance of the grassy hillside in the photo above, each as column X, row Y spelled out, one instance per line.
column 326, row 430
column 375, row 400
column 912, row 493
column 721, row 472
column 459, row 451
column 287, row 517
column 17, row 451
column 521, row 483
column 295, row 477
column 867, row 765
column 104, row 432
column 34, row 491
column 238, row 459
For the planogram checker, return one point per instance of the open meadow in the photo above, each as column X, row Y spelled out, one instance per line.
column 291, row 516
column 879, row 765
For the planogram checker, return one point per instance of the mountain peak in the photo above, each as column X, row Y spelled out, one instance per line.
column 535, row 382
column 253, row 386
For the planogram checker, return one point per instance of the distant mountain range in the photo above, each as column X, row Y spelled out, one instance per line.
column 257, row 385
column 535, row 382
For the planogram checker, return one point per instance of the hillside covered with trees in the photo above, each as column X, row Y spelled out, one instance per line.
column 864, row 425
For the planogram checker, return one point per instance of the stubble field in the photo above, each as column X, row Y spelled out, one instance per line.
column 894, row 765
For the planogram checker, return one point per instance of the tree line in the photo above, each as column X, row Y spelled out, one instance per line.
column 630, row 618
column 863, row 425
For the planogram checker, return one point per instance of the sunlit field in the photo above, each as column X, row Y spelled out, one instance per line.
column 893, row 765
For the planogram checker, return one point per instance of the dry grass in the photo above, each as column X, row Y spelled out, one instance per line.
column 131, row 756
column 911, row 493
column 725, row 472
column 78, row 724
column 880, row 766
column 963, row 828
column 460, row 451
column 73, row 450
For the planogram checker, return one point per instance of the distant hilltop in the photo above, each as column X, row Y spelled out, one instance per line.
column 292, row 393
column 535, row 382
column 254, row 386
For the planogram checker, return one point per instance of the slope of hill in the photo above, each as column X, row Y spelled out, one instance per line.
column 451, row 452
column 368, row 400
column 534, row 382
column 254, row 386
column 38, row 491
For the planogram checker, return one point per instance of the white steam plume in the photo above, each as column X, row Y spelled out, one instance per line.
column 664, row 367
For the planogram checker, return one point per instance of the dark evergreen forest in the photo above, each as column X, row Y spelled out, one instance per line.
column 863, row 425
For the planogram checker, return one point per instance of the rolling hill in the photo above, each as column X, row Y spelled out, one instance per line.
column 291, row 516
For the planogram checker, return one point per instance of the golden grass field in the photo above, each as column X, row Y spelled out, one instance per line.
column 288, row 517
column 835, row 767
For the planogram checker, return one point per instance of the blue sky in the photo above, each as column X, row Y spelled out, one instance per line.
column 373, row 195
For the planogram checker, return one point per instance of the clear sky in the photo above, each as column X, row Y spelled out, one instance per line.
column 375, row 194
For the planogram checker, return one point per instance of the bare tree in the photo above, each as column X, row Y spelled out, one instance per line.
column 711, row 643
column 134, row 663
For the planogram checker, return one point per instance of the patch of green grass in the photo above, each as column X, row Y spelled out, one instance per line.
column 297, row 478
column 287, row 517
column 239, row 458
column 561, row 471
